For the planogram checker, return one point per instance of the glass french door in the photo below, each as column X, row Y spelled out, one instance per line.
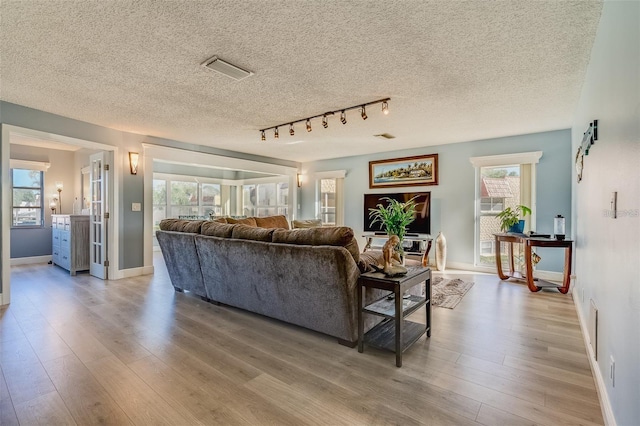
column 99, row 184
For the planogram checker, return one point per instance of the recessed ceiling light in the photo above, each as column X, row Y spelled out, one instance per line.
column 218, row 65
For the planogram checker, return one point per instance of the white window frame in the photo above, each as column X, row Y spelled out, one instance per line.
column 339, row 176
column 528, row 188
column 37, row 166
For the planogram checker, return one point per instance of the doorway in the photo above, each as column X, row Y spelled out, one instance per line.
column 40, row 140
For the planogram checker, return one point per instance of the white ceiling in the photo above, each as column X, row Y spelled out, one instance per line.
column 454, row 70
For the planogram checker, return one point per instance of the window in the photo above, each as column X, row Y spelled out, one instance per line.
column 265, row 199
column 182, row 198
column 502, row 181
column 27, row 204
column 328, row 201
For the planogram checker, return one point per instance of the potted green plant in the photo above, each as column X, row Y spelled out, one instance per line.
column 510, row 218
column 394, row 217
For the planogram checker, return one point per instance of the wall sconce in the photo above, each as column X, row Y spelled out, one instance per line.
column 299, row 177
column 133, row 162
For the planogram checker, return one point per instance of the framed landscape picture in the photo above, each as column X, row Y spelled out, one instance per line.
column 407, row 171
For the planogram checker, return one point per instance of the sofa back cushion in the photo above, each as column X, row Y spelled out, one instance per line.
column 327, row 236
column 217, row 229
column 246, row 232
column 279, row 221
column 251, row 221
column 181, row 225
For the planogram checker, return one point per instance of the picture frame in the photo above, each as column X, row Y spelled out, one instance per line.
column 419, row 170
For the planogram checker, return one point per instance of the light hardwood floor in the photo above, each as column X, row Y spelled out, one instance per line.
column 78, row 350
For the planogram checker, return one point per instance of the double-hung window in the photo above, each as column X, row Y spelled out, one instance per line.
column 27, row 200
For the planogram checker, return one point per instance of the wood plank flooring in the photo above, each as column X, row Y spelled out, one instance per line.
column 78, row 350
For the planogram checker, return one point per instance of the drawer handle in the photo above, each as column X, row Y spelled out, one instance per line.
column 64, row 257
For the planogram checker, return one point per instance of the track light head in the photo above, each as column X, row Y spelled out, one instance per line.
column 308, row 125
column 343, row 117
column 363, row 113
column 263, row 137
column 275, row 133
column 385, row 108
column 325, row 123
column 291, row 131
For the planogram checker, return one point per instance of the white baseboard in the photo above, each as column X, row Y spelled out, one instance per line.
column 30, row 260
column 132, row 272
column 545, row 275
column 603, row 396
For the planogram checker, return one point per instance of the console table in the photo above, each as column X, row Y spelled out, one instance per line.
column 394, row 332
column 423, row 241
column 530, row 242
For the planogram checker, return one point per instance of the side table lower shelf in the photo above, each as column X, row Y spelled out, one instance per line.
column 383, row 335
column 394, row 333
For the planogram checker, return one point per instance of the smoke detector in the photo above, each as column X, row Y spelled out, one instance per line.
column 218, row 65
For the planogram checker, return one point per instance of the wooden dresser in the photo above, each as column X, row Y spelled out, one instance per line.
column 70, row 242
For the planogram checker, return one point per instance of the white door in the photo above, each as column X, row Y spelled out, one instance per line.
column 99, row 179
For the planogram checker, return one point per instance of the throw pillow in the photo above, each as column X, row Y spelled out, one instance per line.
column 272, row 222
column 308, row 223
column 371, row 257
column 217, row 229
column 245, row 232
column 251, row 221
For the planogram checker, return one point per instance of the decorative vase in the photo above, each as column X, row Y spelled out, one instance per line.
column 441, row 252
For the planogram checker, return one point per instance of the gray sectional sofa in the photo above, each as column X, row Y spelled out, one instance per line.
column 306, row 277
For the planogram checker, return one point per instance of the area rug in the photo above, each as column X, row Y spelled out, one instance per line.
column 447, row 293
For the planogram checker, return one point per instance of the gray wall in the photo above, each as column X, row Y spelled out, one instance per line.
column 453, row 199
column 608, row 250
column 130, row 233
column 30, row 242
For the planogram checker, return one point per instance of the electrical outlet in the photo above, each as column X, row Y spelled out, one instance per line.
column 612, row 371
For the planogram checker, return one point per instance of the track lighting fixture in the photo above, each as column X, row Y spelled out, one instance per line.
column 325, row 117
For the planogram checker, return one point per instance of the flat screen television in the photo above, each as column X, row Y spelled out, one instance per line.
column 422, row 222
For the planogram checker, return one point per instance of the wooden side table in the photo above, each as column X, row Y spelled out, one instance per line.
column 394, row 332
column 530, row 242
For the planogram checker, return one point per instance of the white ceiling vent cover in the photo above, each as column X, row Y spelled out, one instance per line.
column 218, row 65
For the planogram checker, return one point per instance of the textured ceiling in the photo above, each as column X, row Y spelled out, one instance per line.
column 454, row 70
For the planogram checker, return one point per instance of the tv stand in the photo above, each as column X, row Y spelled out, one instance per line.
column 421, row 243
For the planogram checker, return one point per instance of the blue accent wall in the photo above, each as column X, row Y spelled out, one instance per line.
column 453, row 209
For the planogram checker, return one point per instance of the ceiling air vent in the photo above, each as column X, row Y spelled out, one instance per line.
column 384, row 136
column 218, row 65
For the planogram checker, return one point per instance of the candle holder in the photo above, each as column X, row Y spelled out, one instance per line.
column 558, row 227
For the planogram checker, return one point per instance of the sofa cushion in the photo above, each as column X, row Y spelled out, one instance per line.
column 176, row 225
column 219, row 220
column 193, row 226
column 328, row 236
column 246, row 232
column 308, row 223
column 272, row 222
column 251, row 221
column 217, row 229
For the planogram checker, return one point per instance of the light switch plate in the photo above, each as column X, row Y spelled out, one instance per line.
column 136, row 207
